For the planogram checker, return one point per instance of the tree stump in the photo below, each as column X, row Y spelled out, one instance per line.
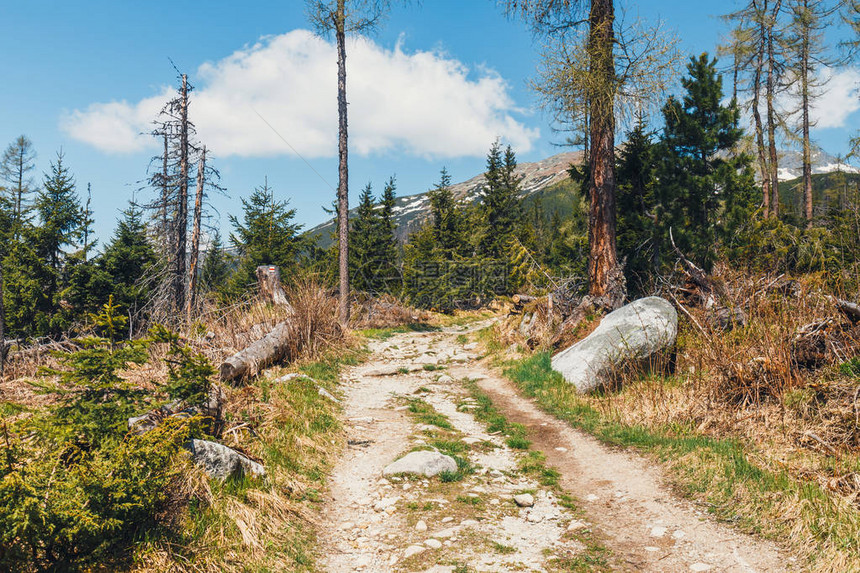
column 269, row 282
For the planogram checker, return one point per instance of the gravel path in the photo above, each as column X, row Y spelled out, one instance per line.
column 376, row 524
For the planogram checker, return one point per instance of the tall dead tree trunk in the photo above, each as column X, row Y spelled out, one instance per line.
column 343, row 173
column 165, row 197
column 3, row 347
column 182, row 202
column 603, row 258
column 195, row 234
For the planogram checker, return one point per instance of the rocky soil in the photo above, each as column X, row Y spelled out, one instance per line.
column 500, row 511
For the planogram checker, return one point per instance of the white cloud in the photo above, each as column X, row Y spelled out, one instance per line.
column 840, row 98
column 423, row 103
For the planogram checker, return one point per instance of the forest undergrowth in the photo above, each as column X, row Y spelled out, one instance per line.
column 758, row 423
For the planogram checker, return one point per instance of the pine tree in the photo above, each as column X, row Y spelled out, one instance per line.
column 373, row 247
column 363, row 234
column 16, row 167
column 60, row 214
column 266, row 235
column 500, row 202
column 448, row 221
column 29, row 285
column 216, row 266
column 387, row 251
column 636, row 230
column 703, row 191
column 127, row 259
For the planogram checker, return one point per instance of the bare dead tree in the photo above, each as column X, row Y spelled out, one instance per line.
column 208, row 178
column 195, row 233
column 340, row 18
column 3, row 347
column 181, row 227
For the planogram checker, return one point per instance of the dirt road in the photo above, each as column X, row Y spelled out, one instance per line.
column 411, row 395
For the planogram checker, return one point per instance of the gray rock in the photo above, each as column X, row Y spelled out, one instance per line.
column 424, row 463
column 326, row 394
column 630, row 335
column 524, row 500
column 211, row 410
column 221, row 462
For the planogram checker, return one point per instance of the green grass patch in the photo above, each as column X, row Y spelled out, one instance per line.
column 426, row 414
column 516, row 435
column 502, row 549
column 386, row 333
column 717, row 471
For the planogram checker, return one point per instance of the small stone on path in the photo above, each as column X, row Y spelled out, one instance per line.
column 433, row 543
column 700, row 567
column 423, row 462
column 421, row 526
column 524, row 500
column 658, row 531
column 413, row 550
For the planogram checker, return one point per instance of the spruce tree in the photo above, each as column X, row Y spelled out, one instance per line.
column 373, row 246
column 705, row 186
column 636, row 232
column 500, row 203
column 29, row 285
column 387, row 251
column 60, row 214
column 266, row 235
column 127, row 259
column 448, row 221
column 364, row 230
column 216, row 266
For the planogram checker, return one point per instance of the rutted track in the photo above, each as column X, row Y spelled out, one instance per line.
column 376, row 524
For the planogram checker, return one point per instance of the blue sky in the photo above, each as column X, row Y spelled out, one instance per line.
column 432, row 88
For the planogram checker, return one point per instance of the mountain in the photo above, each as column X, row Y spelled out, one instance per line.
column 791, row 164
column 544, row 178
column 411, row 211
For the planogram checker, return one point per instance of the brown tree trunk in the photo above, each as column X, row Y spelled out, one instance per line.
column 182, row 200
column 603, row 259
column 759, row 128
column 3, row 347
column 771, row 112
column 343, row 184
column 195, row 234
column 807, row 151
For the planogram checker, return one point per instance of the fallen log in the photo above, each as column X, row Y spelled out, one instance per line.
column 522, row 299
column 849, row 309
column 258, row 355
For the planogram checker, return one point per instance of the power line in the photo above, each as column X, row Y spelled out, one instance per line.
column 294, row 149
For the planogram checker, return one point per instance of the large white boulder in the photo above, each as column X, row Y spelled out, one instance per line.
column 423, row 462
column 221, row 462
column 627, row 336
